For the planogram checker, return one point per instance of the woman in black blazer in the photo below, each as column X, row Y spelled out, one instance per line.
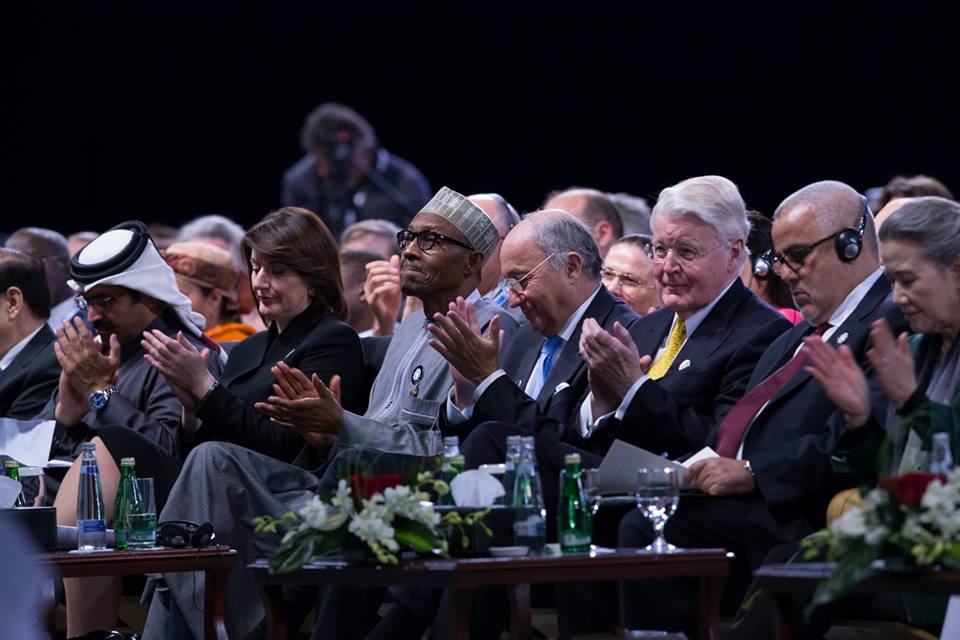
column 295, row 276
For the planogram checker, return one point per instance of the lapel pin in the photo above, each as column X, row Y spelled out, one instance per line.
column 843, row 337
column 683, row 365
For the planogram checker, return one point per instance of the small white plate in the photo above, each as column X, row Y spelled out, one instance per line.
column 507, row 552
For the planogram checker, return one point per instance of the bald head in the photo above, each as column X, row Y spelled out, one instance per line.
column 829, row 206
column 594, row 209
column 51, row 248
column 888, row 210
column 504, row 219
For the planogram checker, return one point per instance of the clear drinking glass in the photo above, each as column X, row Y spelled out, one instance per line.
column 140, row 521
column 658, row 493
column 591, row 487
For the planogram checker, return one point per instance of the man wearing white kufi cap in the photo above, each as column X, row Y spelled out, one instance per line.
column 108, row 393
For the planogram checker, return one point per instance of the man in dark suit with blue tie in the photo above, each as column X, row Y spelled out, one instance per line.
column 773, row 478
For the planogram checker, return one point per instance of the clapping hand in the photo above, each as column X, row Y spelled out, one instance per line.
column 842, row 379
column 81, row 359
column 613, row 363
column 304, row 404
column 458, row 339
column 182, row 365
column 892, row 361
column 381, row 290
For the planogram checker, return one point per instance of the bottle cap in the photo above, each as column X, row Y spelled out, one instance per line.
column 448, row 440
column 571, row 458
column 128, row 462
column 88, row 446
column 7, row 464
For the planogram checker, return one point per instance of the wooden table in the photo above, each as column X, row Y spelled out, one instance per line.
column 792, row 585
column 216, row 562
column 463, row 576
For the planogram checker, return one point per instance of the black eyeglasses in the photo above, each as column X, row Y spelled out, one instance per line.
column 795, row 256
column 103, row 304
column 427, row 239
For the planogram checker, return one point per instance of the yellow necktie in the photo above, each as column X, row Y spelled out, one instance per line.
column 674, row 342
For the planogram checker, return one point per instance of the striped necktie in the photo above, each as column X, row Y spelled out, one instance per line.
column 679, row 333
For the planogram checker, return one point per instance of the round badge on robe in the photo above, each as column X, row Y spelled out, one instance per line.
column 415, row 377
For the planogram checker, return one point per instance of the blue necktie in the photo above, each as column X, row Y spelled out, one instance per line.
column 549, row 349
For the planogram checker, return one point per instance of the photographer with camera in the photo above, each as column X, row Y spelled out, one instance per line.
column 347, row 176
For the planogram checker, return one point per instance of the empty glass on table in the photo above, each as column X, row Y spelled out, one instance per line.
column 658, row 493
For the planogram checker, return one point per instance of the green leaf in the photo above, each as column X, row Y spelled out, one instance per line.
column 415, row 535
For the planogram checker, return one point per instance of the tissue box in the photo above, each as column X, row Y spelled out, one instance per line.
column 40, row 524
column 499, row 520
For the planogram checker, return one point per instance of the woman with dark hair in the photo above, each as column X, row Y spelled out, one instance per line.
column 758, row 275
column 295, row 275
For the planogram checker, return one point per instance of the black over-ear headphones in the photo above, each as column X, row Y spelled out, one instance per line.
column 849, row 242
column 180, row 533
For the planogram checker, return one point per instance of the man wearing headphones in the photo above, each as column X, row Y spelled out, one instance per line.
column 347, row 176
column 773, row 479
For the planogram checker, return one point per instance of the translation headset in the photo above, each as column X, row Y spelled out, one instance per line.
column 181, row 533
column 848, row 244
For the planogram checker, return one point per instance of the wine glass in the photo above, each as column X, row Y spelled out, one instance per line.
column 658, row 493
column 591, row 487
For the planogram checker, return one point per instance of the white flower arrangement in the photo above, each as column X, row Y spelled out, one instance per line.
column 384, row 514
column 910, row 519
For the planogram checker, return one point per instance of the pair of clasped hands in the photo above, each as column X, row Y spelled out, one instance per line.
column 303, row 404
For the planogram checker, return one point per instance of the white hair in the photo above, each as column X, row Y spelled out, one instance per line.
column 714, row 200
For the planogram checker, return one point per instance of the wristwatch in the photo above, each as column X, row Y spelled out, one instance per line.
column 100, row 398
column 746, row 465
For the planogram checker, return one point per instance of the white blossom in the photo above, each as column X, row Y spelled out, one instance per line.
column 317, row 514
column 373, row 523
column 852, row 524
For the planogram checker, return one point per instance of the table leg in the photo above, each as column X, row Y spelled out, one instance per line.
column 460, row 606
column 272, row 596
column 783, row 616
column 215, row 592
column 711, row 590
column 520, row 624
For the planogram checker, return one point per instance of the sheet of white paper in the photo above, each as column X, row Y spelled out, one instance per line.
column 9, row 490
column 618, row 471
column 26, row 441
column 951, row 621
column 704, row 454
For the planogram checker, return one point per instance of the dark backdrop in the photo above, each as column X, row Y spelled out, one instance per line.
column 163, row 113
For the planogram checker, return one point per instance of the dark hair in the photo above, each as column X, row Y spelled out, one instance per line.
column 330, row 119
column 913, row 187
column 17, row 269
column 298, row 239
column 758, row 241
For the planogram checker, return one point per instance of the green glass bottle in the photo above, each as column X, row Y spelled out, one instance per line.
column 574, row 518
column 12, row 470
column 127, row 470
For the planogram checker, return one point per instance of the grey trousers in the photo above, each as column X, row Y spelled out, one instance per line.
column 228, row 485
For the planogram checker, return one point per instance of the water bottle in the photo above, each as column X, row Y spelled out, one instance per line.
column 941, row 458
column 91, row 523
column 122, row 505
column 12, row 470
column 510, row 468
column 574, row 518
column 530, row 516
column 453, row 463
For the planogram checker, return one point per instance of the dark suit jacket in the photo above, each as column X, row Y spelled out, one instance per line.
column 505, row 399
column 677, row 413
column 790, row 442
column 27, row 384
column 314, row 342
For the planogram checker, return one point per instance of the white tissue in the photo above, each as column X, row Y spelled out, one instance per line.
column 475, row 488
column 9, row 490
